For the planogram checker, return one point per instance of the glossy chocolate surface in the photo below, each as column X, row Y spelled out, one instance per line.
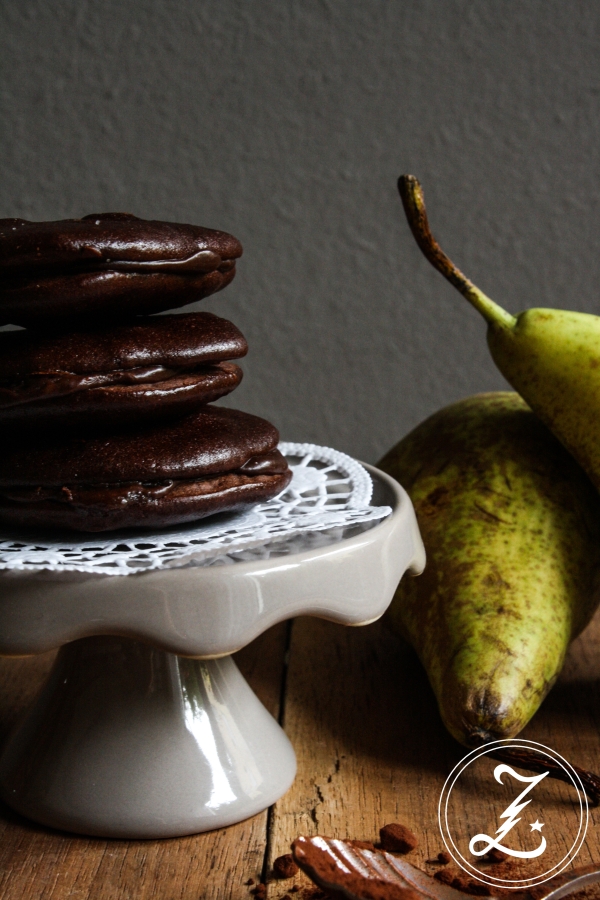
column 271, row 463
column 104, row 507
column 143, row 506
column 112, row 264
column 76, row 401
column 179, row 341
column 211, row 441
column 113, row 238
column 89, row 297
column 151, row 368
column 29, row 388
column 350, row 872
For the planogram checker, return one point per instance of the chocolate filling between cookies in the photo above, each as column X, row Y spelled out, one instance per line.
column 258, row 468
column 203, row 261
column 37, row 386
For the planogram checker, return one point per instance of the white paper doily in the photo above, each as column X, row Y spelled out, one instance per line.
column 327, row 499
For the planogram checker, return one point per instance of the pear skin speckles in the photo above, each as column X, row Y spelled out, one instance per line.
column 511, row 526
column 552, row 358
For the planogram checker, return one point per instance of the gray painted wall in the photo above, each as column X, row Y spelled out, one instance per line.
column 287, row 123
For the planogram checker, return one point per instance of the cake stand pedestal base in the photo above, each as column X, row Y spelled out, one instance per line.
column 145, row 728
column 129, row 741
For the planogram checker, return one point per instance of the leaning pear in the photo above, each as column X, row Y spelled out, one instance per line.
column 551, row 357
column 511, row 526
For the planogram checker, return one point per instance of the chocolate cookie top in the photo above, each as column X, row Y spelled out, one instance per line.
column 180, row 341
column 118, row 241
column 209, row 442
column 109, row 263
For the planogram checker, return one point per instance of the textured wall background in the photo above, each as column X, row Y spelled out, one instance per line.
column 287, row 123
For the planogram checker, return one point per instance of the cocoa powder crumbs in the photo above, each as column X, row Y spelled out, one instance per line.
column 514, row 869
column 445, row 876
column 495, row 856
column 396, row 838
column 249, row 882
column 505, row 869
column 462, row 882
column 259, row 891
column 285, row 867
column 442, row 859
column 470, row 886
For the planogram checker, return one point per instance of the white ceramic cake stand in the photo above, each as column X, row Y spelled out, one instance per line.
column 145, row 727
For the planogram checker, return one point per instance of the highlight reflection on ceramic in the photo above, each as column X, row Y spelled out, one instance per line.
column 199, row 687
column 128, row 740
column 130, row 737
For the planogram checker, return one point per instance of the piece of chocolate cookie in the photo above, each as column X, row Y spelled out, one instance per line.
column 153, row 367
column 214, row 460
column 109, row 265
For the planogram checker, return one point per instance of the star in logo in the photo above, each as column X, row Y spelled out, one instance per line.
column 537, row 825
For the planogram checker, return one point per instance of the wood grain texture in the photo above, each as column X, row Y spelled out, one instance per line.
column 36, row 862
column 372, row 750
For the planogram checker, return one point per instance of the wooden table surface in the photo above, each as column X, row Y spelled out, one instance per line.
column 371, row 750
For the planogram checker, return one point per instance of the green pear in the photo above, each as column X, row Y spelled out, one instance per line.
column 551, row 357
column 511, row 526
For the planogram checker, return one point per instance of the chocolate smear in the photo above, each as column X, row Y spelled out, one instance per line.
column 349, row 873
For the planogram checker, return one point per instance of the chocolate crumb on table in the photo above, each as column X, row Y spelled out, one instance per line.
column 446, row 876
column 396, row 838
column 442, row 859
column 285, row 867
column 469, row 885
column 462, row 882
column 496, row 856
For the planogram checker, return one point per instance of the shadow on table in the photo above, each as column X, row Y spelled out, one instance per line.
column 369, row 690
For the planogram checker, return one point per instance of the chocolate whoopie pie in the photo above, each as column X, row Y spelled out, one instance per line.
column 152, row 367
column 214, row 460
column 108, row 265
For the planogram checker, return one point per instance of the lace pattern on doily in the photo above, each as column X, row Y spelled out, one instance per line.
column 327, row 499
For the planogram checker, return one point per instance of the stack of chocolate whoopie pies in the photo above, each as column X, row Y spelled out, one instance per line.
column 105, row 408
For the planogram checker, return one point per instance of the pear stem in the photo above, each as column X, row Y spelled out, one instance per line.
column 538, row 762
column 414, row 207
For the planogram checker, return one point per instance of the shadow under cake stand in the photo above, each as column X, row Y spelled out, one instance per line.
column 145, row 727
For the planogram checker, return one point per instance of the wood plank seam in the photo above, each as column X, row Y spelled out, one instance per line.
column 281, row 719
